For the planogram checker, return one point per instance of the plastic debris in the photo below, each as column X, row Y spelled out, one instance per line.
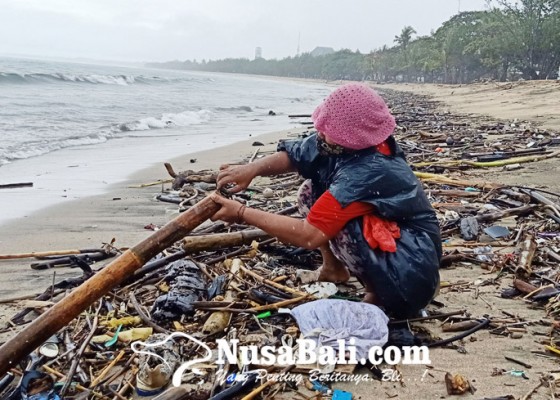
column 341, row 395
column 497, row 231
column 327, row 321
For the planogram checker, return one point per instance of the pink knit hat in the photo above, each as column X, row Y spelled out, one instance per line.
column 354, row 116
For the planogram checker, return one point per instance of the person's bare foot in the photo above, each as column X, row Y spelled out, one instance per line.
column 333, row 273
column 332, row 270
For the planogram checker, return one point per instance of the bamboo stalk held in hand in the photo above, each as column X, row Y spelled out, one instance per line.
column 101, row 283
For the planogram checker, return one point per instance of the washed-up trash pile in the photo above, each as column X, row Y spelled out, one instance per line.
column 234, row 282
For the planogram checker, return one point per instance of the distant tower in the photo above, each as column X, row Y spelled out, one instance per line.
column 258, row 53
column 298, row 40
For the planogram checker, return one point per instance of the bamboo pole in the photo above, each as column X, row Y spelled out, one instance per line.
column 101, row 283
column 193, row 244
column 487, row 164
column 39, row 254
column 437, row 178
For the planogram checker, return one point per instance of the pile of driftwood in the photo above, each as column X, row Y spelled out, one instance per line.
column 213, row 280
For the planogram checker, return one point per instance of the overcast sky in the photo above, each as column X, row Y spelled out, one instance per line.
column 159, row 30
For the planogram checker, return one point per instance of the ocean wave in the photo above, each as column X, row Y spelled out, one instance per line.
column 34, row 149
column 167, row 120
column 11, row 77
column 58, row 77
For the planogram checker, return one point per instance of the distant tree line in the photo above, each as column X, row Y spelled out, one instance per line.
column 512, row 40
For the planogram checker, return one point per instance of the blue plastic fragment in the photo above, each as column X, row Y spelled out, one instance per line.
column 320, row 387
column 340, row 395
column 471, row 189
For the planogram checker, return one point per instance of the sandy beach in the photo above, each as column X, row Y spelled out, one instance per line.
column 123, row 211
column 536, row 102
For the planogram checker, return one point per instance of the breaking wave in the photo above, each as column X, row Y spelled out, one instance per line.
column 35, row 148
column 167, row 120
column 57, row 77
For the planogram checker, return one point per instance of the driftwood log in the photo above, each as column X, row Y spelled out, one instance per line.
column 18, row 347
column 181, row 178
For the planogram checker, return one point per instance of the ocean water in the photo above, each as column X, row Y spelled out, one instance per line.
column 47, row 106
column 57, row 115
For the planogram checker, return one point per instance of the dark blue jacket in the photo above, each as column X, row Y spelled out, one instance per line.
column 404, row 281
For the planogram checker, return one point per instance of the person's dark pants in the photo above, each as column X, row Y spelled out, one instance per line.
column 403, row 282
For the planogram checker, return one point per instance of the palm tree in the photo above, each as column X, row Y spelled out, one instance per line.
column 403, row 40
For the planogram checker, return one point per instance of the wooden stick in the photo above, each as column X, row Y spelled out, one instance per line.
column 254, row 155
column 272, row 283
column 258, row 390
column 459, row 326
column 276, row 306
column 38, row 254
column 435, row 316
column 552, row 254
column 262, row 387
column 437, row 178
column 18, row 347
column 143, row 316
column 452, row 193
column 530, row 392
column 143, row 185
column 477, row 164
column 539, row 198
column 105, row 370
column 538, row 290
column 16, row 185
column 78, row 386
column 170, row 170
column 78, row 355
column 18, row 298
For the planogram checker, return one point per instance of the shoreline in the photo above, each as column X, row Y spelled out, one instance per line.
column 121, row 212
column 62, row 171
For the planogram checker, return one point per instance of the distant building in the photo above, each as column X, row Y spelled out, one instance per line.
column 258, row 53
column 321, row 51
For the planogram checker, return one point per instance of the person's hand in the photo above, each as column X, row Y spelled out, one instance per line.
column 238, row 175
column 231, row 211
